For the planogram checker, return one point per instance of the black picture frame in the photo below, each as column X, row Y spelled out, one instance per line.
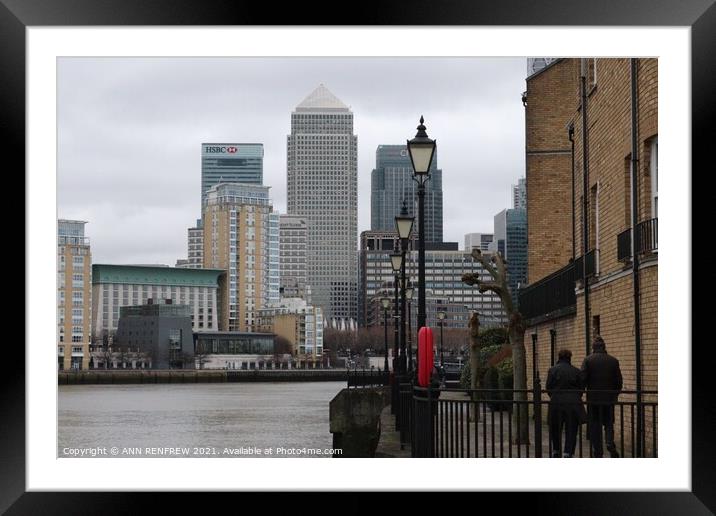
column 700, row 15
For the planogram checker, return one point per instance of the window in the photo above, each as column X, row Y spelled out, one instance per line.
column 594, row 217
column 591, row 73
column 654, row 172
column 596, row 325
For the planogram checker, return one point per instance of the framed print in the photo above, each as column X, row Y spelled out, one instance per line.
column 259, row 261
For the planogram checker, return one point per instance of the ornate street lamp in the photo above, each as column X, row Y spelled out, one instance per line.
column 385, row 302
column 409, row 296
column 421, row 150
column 441, row 318
column 396, row 261
column 404, row 225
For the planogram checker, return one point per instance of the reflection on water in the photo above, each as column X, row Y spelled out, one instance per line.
column 238, row 416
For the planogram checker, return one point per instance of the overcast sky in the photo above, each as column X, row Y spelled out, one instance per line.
column 130, row 133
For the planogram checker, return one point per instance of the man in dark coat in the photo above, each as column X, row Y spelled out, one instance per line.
column 601, row 372
column 564, row 386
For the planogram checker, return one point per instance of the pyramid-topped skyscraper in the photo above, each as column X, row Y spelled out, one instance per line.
column 322, row 187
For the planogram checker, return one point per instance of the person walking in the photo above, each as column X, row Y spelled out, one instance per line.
column 564, row 386
column 602, row 378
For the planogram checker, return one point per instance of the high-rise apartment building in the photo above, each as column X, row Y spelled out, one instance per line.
column 293, row 242
column 241, row 236
column 116, row 286
column 510, row 239
column 322, row 187
column 195, row 251
column 479, row 241
column 74, row 295
column 230, row 163
column 391, row 183
column 519, row 194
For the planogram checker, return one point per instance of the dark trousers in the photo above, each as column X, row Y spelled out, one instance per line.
column 601, row 415
column 568, row 419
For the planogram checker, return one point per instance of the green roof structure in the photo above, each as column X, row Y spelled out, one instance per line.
column 155, row 275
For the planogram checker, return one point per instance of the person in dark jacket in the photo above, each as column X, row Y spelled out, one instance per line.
column 564, row 386
column 602, row 378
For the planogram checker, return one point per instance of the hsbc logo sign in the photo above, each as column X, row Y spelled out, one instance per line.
column 220, row 149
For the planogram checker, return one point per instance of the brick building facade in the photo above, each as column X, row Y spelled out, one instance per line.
column 554, row 301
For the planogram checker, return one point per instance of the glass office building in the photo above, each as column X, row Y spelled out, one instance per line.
column 391, row 182
column 511, row 240
column 322, row 188
column 230, row 163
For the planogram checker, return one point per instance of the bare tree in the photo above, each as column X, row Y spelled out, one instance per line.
column 474, row 325
column 496, row 267
column 106, row 355
column 123, row 357
column 201, row 354
column 282, row 347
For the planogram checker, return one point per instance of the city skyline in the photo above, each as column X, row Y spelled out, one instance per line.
column 124, row 141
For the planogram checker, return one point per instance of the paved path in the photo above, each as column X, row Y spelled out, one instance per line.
column 389, row 444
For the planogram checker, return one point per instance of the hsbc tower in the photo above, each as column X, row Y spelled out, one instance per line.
column 230, row 163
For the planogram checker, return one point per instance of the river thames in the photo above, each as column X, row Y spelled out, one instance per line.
column 282, row 419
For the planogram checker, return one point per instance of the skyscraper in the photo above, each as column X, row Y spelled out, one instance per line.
column 74, row 295
column 230, row 163
column 510, row 240
column 241, row 237
column 519, row 194
column 479, row 241
column 391, row 183
column 322, row 188
column 293, row 236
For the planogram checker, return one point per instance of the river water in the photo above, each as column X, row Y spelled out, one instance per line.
column 196, row 420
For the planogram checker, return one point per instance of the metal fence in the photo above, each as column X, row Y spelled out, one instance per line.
column 367, row 378
column 513, row 423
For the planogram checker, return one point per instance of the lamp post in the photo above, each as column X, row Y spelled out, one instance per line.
column 441, row 317
column 396, row 261
column 404, row 225
column 421, row 150
column 409, row 297
column 386, row 303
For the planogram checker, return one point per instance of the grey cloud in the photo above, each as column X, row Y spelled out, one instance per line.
column 129, row 135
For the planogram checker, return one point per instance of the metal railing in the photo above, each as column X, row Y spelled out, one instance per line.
column 367, row 378
column 551, row 294
column 592, row 261
column 624, row 246
column 481, row 423
column 647, row 234
column 647, row 240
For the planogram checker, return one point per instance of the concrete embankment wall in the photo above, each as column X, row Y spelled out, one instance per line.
column 114, row 376
column 354, row 416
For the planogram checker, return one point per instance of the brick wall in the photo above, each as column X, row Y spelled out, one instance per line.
column 551, row 100
column 550, row 212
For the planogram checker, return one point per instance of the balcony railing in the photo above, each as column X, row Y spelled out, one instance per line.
column 550, row 296
column 592, row 261
column 646, row 240
column 73, row 240
column 624, row 246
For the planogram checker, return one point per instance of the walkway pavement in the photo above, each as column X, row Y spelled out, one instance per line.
column 389, row 443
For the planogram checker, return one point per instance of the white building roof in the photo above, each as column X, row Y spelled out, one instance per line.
column 321, row 98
